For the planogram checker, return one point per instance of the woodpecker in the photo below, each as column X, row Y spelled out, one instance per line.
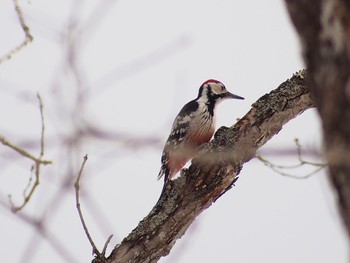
column 192, row 127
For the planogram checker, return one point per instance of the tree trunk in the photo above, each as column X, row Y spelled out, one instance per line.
column 324, row 30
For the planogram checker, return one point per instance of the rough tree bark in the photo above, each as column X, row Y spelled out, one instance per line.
column 211, row 174
column 324, row 30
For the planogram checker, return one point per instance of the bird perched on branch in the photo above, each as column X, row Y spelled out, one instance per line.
column 193, row 126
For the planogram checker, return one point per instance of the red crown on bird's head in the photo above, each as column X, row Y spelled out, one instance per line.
column 211, row 81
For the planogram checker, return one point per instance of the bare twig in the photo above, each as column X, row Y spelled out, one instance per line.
column 32, row 169
column 77, row 200
column 277, row 168
column 106, row 245
column 37, row 161
column 23, row 152
column 41, row 108
column 28, row 37
column 98, row 256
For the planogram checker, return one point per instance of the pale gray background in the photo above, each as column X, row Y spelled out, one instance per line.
column 141, row 61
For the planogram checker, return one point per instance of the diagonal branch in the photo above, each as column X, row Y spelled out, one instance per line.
column 27, row 39
column 212, row 173
column 23, row 152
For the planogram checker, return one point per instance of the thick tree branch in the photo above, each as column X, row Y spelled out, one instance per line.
column 324, row 28
column 212, row 173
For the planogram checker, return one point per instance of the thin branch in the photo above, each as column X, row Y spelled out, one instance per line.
column 32, row 169
column 277, row 168
column 77, row 200
column 23, row 152
column 98, row 256
column 41, row 107
column 28, row 37
column 106, row 245
column 37, row 161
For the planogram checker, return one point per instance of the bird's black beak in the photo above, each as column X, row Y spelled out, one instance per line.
column 233, row 96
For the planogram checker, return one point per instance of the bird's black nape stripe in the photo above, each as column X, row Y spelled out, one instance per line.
column 200, row 92
column 211, row 101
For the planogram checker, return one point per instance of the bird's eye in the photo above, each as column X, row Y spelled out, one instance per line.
column 223, row 88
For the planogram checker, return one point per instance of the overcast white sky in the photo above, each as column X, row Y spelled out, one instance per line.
column 134, row 65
